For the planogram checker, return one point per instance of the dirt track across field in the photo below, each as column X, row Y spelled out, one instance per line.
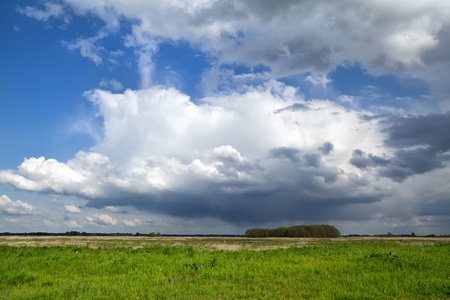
column 203, row 243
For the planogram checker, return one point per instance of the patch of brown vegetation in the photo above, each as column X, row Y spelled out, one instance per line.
column 202, row 243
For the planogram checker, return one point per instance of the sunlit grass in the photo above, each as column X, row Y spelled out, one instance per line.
column 323, row 270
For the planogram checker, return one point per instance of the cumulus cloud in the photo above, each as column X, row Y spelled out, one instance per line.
column 72, row 209
column 131, row 223
column 233, row 157
column 73, row 224
column 101, row 220
column 253, row 150
column 15, row 208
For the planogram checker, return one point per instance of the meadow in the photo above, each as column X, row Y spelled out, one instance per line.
column 224, row 268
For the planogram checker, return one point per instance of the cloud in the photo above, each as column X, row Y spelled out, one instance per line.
column 382, row 36
column 413, row 131
column 362, row 160
column 265, row 155
column 421, row 144
column 346, row 99
column 326, row 148
column 131, row 223
column 15, row 208
column 112, row 209
column 88, row 48
column 51, row 10
column 112, row 84
column 72, row 209
column 318, row 80
column 101, row 220
column 253, row 150
column 293, row 107
column 49, row 223
column 73, row 224
column 230, row 157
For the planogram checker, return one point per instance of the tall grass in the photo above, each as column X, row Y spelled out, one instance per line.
column 339, row 270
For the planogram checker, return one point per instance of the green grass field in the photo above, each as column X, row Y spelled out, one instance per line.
column 320, row 269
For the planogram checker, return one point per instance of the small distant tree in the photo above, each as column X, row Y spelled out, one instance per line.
column 154, row 234
column 413, row 234
column 389, row 234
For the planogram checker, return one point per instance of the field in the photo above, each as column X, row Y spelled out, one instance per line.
column 223, row 268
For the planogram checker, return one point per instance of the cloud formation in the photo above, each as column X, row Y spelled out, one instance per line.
column 421, row 145
column 252, row 149
column 102, row 220
column 72, row 209
column 51, row 10
column 227, row 157
column 14, row 208
column 382, row 36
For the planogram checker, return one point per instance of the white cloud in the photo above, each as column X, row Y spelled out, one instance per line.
column 101, row 220
column 112, row 209
column 50, row 10
column 73, row 223
column 346, row 98
column 156, row 142
column 131, row 223
column 88, row 48
column 7, row 206
column 318, row 79
column 112, row 84
column 72, row 209
column 382, row 35
column 49, row 223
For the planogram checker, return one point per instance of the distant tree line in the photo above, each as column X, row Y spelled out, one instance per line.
column 73, row 233
column 77, row 233
column 295, row 231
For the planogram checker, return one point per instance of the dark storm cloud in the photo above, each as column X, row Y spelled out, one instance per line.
column 430, row 130
column 435, row 207
column 300, row 187
column 295, row 155
column 421, row 142
column 286, row 152
column 326, row 148
column 252, row 207
column 362, row 160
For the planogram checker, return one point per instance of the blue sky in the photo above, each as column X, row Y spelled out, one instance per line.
column 218, row 116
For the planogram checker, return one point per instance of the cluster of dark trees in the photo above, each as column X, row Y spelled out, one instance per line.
column 295, row 231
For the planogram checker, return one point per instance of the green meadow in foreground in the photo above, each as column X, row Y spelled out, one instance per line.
column 325, row 269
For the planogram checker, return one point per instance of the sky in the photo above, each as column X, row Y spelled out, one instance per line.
column 199, row 117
